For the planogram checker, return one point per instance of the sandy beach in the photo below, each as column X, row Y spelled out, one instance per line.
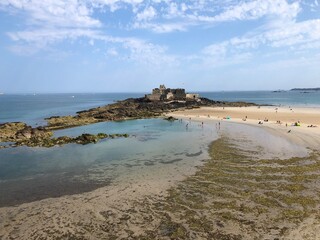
column 280, row 120
column 160, row 120
column 260, row 182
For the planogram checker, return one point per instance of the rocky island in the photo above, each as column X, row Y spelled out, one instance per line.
column 162, row 100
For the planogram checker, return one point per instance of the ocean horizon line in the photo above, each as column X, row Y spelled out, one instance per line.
column 138, row 92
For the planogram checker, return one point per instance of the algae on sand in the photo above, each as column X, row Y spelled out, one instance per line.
column 234, row 195
column 238, row 196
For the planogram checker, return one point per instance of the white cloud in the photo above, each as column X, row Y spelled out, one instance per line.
column 137, row 50
column 294, row 33
column 173, row 10
column 148, row 53
column 291, row 35
column 199, row 12
column 217, row 50
column 43, row 37
column 53, row 21
column 161, row 27
column 256, row 9
column 114, row 5
column 290, row 38
column 112, row 52
column 48, row 22
column 53, row 13
column 146, row 14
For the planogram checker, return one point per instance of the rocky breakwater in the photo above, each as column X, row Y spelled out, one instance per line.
column 19, row 133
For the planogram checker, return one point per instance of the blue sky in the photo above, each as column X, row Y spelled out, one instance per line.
column 135, row 45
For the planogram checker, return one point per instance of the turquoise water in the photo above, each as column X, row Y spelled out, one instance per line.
column 28, row 174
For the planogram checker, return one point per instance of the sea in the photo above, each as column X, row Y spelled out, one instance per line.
column 283, row 98
column 31, row 174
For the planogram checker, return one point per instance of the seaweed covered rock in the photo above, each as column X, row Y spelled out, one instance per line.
column 171, row 119
column 83, row 139
column 8, row 131
column 87, row 138
column 18, row 131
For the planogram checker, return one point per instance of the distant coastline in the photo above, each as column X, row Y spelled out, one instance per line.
column 305, row 89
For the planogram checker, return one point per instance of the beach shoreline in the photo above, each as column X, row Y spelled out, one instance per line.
column 136, row 205
column 279, row 120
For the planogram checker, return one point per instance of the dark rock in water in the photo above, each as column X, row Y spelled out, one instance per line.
column 170, row 119
column 83, row 139
column 25, row 133
column 63, row 140
column 87, row 138
column 17, row 131
column 8, row 131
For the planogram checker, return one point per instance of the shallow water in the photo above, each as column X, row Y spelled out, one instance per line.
column 28, row 174
column 269, row 145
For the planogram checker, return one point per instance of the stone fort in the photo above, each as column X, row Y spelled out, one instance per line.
column 166, row 94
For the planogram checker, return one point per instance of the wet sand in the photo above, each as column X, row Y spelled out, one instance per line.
column 257, row 183
column 304, row 135
column 111, row 212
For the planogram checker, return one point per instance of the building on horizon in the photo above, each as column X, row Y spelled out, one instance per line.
column 168, row 94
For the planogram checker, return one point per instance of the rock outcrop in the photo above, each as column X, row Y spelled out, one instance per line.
column 18, row 131
column 83, row 139
column 132, row 108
